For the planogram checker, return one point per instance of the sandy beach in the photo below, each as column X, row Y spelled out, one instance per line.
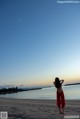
column 37, row 109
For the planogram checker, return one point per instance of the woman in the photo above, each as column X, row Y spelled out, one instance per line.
column 60, row 94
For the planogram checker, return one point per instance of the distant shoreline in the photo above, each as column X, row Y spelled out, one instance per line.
column 72, row 84
column 15, row 90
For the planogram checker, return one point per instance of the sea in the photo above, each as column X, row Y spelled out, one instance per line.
column 71, row 92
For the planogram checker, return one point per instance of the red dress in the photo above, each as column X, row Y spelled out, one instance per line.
column 60, row 99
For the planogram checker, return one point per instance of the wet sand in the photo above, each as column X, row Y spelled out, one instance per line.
column 37, row 109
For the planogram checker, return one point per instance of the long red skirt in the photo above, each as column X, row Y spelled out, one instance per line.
column 60, row 99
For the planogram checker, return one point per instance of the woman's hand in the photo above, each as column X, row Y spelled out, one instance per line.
column 61, row 81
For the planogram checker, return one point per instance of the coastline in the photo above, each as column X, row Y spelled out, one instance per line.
column 37, row 109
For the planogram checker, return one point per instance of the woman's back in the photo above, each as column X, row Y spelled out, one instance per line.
column 58, row 84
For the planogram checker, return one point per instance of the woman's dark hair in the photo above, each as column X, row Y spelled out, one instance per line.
column 57, row 83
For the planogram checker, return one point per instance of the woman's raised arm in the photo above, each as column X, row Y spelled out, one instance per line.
column 61, row 81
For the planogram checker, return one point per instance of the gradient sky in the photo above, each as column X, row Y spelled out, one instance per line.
column 39, row 40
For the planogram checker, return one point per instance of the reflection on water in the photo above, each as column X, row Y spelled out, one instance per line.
column 71, row 92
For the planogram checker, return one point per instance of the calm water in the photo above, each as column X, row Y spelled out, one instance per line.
column 71, row 92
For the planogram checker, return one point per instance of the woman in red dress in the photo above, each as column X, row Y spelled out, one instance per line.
column 60, row 94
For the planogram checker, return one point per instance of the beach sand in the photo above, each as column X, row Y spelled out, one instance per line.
column 37, row 109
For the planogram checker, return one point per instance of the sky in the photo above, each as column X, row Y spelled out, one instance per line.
column 39, row 40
